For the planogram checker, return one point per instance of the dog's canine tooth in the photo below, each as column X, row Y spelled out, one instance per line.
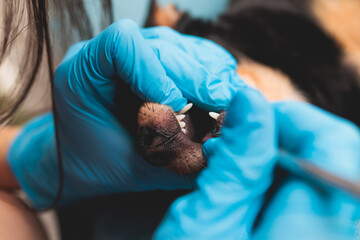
column 180, row 117
column 185, row 109
column 214, row 115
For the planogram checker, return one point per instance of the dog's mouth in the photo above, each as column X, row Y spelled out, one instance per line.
column 174, row 140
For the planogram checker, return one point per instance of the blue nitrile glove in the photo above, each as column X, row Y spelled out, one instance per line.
column 99, row 157
column 230, row 190
column 203, row 71
column 315, row 135
column 304, row 208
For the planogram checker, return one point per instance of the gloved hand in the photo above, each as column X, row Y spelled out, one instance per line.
column 204, row 72
column 303, row 208
column 99, row 157
column 230, row 190
column 297, row 210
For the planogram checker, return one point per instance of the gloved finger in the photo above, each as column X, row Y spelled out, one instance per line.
column 120, row 51
column 248, row 132
column 209, row 88
column 199, row 48
column 246, row 109
column 208, row 147
column 246, row 101
column 312, row 134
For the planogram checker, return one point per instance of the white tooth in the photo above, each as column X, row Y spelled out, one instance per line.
column 182, row 124
column 183, row 130
column 185, row 109
column 180, row 117
column 214, row 115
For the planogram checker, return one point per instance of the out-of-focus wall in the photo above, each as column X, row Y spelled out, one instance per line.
column 199, row 8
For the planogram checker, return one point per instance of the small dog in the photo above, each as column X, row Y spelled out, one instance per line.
column 307, row 50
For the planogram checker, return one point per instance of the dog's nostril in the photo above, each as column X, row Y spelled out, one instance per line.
column 146, row 135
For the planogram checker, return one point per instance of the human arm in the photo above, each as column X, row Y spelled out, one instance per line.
column 17, row 220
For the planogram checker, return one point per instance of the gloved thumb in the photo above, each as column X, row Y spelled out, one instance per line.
column 248, row 128
column 208, row 147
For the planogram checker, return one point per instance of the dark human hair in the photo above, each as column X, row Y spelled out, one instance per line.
column 19, row 18
column 31, row 18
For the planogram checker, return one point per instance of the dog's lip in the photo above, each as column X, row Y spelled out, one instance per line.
column 208, row 136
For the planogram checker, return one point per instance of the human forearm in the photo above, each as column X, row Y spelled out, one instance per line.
column 17, row 221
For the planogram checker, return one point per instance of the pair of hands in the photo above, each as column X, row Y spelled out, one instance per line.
column 162, row 66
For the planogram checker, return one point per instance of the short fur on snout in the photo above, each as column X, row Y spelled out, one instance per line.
column 164, row 144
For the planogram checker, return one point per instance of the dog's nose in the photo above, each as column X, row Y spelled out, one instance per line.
column 146, row 137
column 157, row 155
